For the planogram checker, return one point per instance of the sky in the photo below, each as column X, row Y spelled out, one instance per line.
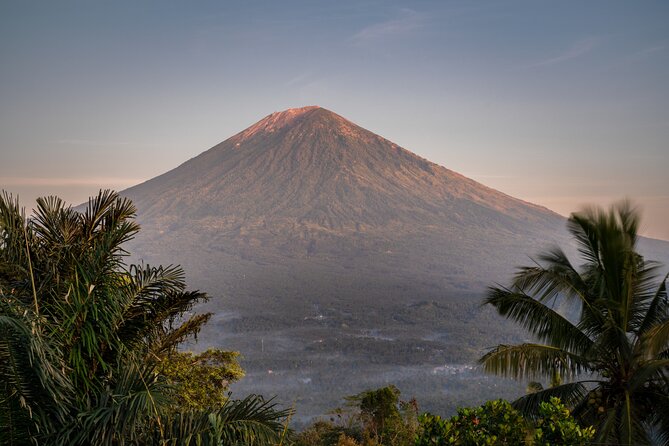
column 561, row 103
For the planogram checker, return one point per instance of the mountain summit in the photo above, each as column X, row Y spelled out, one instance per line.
column 332, row 252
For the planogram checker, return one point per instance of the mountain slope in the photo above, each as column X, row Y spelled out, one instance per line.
column 310, row 166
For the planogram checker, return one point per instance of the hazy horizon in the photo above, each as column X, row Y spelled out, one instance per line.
column 561, row 105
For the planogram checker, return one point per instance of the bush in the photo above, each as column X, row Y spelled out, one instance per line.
column 498, row 423
column 556, row 426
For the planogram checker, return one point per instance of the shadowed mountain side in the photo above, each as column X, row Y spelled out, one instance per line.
column 337, row 259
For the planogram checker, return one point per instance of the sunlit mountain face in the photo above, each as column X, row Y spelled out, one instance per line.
column 314, row 170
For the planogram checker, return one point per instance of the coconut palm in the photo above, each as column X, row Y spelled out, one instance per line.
column 81, row 333
column 614, row 356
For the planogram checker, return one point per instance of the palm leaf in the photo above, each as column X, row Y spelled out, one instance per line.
column 250, row 421
column 558, row 276
column 571, row 394
column 657, row 339
column 34, row 389
column 122, row 411
column 532, row 360
column 658, row 309
column 545, row 323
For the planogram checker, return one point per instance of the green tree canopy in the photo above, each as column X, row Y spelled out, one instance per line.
column 200, row 381
column 498, row 423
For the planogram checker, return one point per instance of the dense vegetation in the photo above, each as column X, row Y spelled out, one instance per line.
column 498, row 423
column 379, row 417
column 88, row 344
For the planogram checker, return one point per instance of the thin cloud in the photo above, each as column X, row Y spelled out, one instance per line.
column 578, row 49
column 648, row 52
column 487, row 176
column 408, row 22
column 27, row 181
column 652, row 50
column 93, row 142
column 607, row 199
column 301, row 79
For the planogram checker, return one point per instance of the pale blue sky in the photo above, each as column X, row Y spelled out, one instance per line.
column 560, row 103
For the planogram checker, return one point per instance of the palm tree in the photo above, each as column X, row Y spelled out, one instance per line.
column 81, row 333
column 615, row 354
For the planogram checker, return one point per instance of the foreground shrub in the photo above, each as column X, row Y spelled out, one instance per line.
column 494, row 423
column 498, row 423
column 556, row 426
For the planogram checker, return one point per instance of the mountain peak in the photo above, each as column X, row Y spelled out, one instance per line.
column 297, row 110
column 279, row 120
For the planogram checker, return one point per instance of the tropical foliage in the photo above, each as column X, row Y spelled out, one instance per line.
column 498, row 423
column 494, row 423
column 556, row 426
column 200, row 381
column 84, row 337
column 612, row 359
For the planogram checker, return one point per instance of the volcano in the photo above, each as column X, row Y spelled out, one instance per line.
column 309, row 169
column 307, row 188
column 338, row 261
column 306, row 184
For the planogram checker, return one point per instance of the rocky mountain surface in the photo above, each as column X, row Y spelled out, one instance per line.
column 338, row 261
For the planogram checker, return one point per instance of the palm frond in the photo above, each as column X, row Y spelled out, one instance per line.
column 172, row 338
column 12, row 242
column 659, row 423
column 107, row 210
column 657, row 339
column 532, row 360
column 34, row 387
column 155, row 303
column 250, row 421
column 570, row 394
column 121, row 411
column 620, row 425
column 657, row 310
column 540, row 320
column 553, row 275
column 584, row 231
